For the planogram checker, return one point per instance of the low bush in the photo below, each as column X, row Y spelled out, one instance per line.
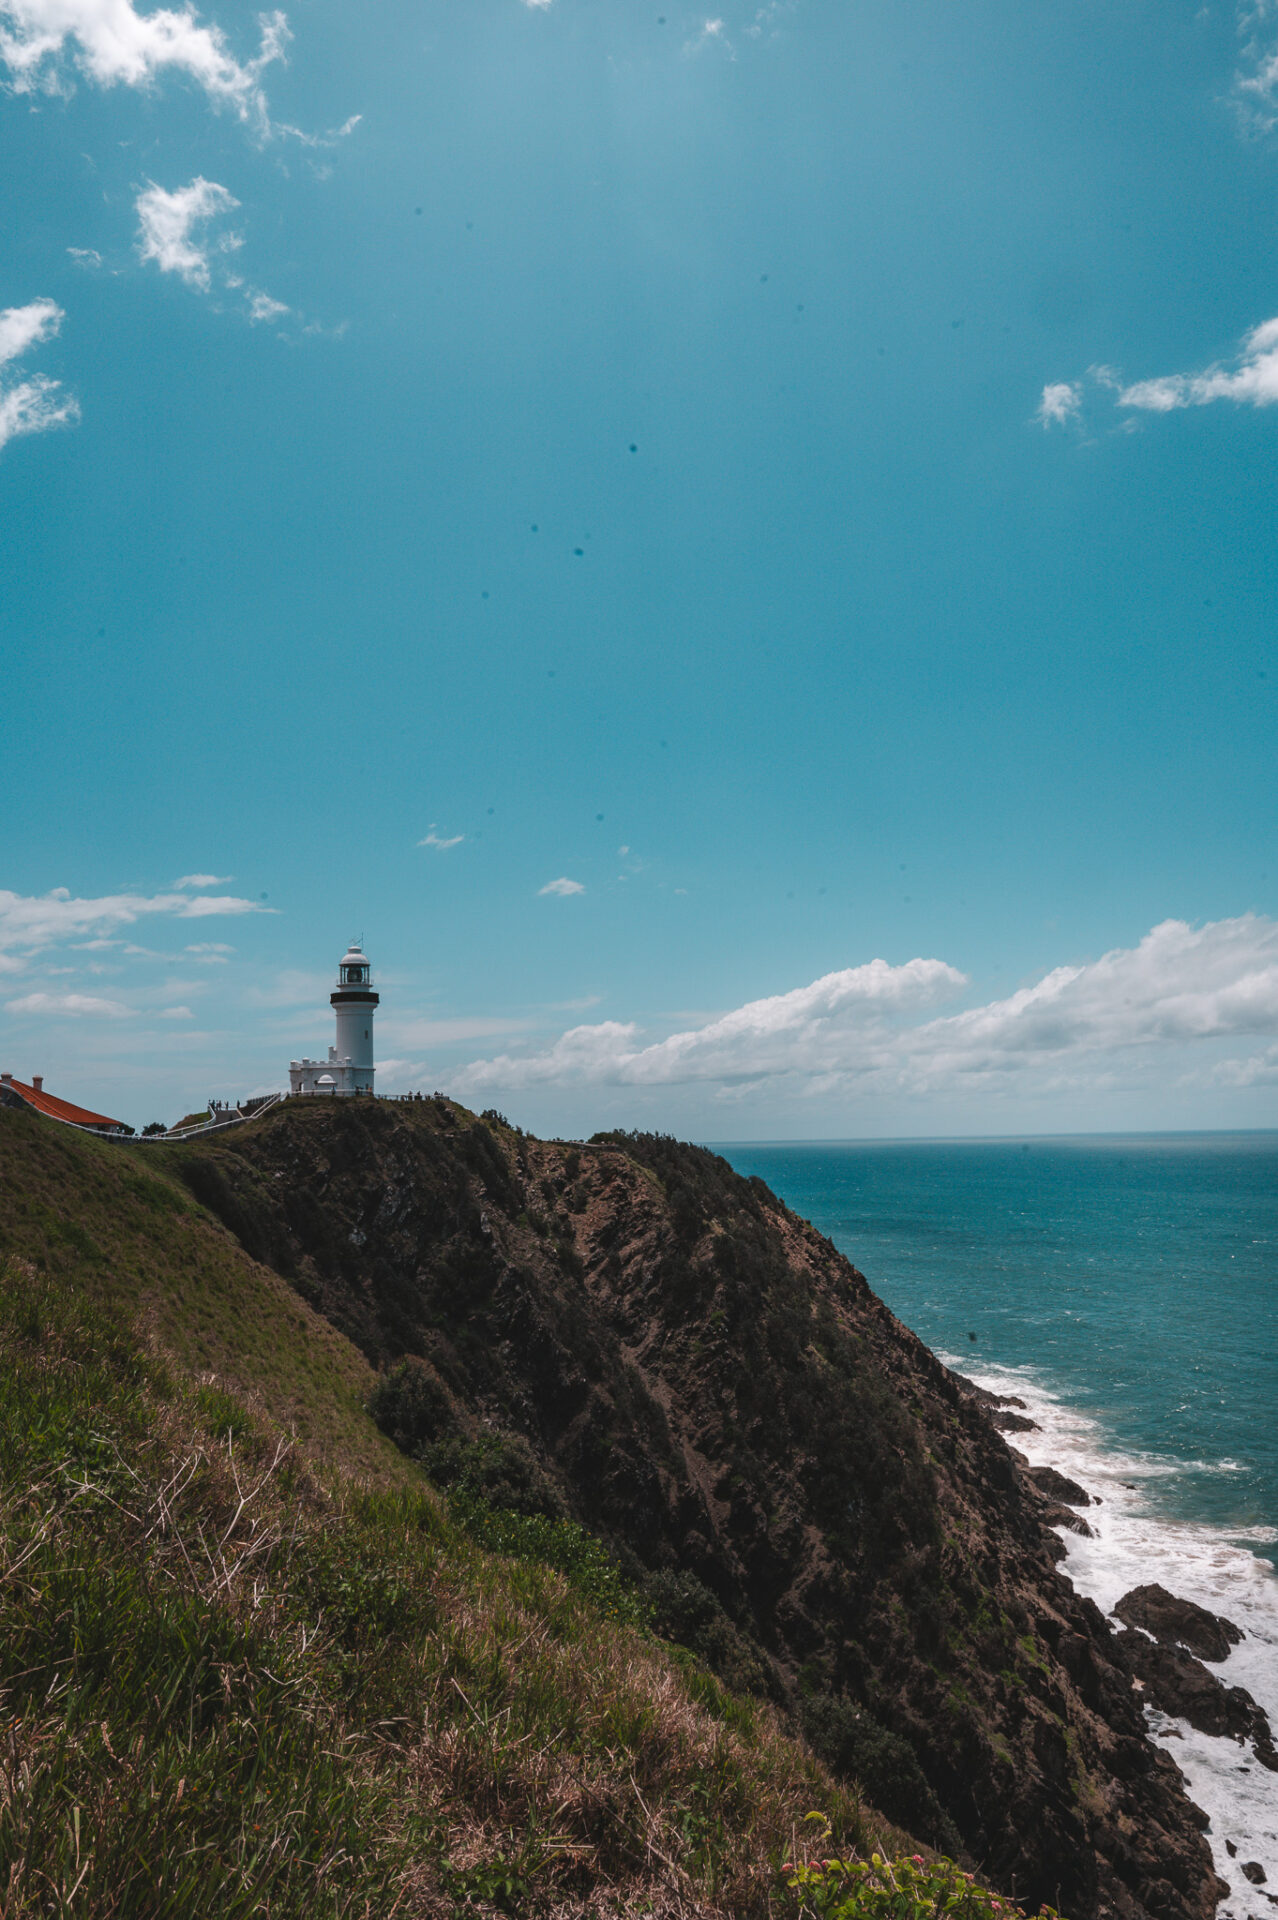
column 821, row 1887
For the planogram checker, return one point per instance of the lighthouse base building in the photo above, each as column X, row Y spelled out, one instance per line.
column 349, row 1066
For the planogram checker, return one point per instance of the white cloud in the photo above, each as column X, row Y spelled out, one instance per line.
column 72, row 1005
column 1181, row 984
column 111, row 43
column 563, row 887
column 201, row 906
column 712, row 34
column 333, row 135
column 1256, row 86
column 810, row 1029
column 291, row 988
column 1251, row 379
column 1060, row 402
column 38, row 403
column 766, row 17
column 419, row 1031
column 177, row 1013
column 1255, row 1070
column 85, row 256
column 29, row 923
column 432, row 839
column 210, row 953
column 263, row 307
column 168, row 224
column 537, row 6
column 860, row 1029
column 172, row 232
column 204, row 880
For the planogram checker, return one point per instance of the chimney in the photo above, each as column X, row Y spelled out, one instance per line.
column 37, row 1082
column 5, row 1078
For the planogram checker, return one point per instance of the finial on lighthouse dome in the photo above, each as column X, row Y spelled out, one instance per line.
column 349, row 1067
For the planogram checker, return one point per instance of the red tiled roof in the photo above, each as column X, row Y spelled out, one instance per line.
column 61, row 1109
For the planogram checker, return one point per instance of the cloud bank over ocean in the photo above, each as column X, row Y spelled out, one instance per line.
column 868, row 1028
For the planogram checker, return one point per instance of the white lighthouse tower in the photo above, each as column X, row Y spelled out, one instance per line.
column 349, row 1067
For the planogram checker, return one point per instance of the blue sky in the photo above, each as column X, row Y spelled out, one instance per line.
column 645, row 514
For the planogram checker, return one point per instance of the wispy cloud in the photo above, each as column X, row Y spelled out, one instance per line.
column 433, row 839
column 713, row 34
column 1254, row 1070
column 806, row 1029
column 174, row 231
column 291, row 988
column 765, row 20
column 563, row 887
column 420, row 1031
column 1255, row 94
column 1250, row 379
column 204, row 880
column 37, row 403
column 111, row 43
column 861, row 1030
column 171, row 228
column 1060, row 402
column 68, row 1006
column 261, row 306
column 30, row 923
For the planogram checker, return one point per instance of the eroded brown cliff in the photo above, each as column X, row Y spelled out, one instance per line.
column 631, row 1331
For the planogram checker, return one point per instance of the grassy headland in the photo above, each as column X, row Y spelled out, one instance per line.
column 253, row 1665
column 406, row 1516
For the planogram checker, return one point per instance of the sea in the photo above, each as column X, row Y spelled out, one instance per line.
column 1125, row 1287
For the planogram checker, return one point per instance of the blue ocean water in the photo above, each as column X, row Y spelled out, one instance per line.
column 1125, row 1288
column 1136, row 1276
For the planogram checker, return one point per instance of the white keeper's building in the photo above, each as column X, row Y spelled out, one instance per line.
column 349, row 1067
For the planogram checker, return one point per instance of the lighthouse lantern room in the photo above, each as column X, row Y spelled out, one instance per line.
column 349, row 1067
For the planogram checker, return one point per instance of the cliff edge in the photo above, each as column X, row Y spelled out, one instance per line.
column 627, row 1332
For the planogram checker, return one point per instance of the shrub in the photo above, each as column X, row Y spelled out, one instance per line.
column 497, row 1470
column 584, row 1561
column 909, row 1888
column 410, row 1404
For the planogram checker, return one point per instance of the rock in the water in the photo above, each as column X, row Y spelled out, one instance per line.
column 1178, row 1623
column 1008, row 1422
column 986, row 1398
column 1058, row 1486
column 1066, row 1517
column 1183, row 1687
column 1254, row 1872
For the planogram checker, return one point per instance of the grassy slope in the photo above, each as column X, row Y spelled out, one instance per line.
column 108, row 1219
column 249, row 1663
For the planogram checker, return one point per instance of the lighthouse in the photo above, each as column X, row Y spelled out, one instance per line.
column 349, row 1067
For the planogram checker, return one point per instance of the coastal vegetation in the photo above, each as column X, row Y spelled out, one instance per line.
column 256, row 1664
column 405, row 1515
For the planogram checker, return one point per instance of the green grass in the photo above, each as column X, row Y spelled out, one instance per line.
column 253, row 1664
column 110, row 1221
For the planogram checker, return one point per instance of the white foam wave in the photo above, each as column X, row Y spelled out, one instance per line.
column 1132, row 1547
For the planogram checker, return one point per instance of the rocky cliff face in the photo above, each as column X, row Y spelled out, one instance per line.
column 630, row 1332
